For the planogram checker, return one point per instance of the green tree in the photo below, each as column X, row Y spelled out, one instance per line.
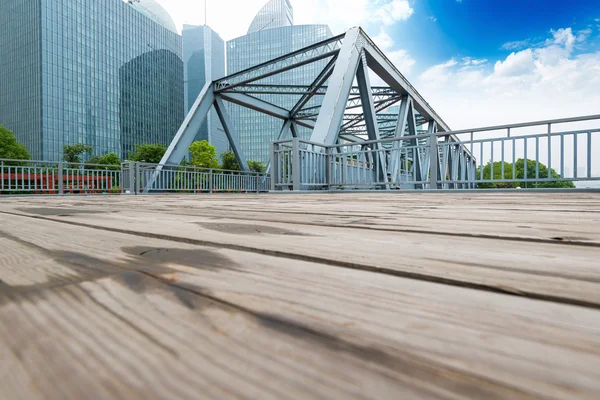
column 519, row 174
column 150, row 153
column 497, row 171
column 72, row 152
column 10, row 148
column 111, row 160
column 257, row 166
column 229, row 161
column 204, row 155
column 543, row 173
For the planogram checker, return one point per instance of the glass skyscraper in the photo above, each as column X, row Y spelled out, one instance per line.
column 204, row 61
column 271, row 34
column 104, row 73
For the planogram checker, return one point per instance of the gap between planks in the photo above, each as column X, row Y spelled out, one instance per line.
column 328, row 261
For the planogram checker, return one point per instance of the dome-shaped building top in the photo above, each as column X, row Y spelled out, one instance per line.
column 153, row 10
column 274, row 14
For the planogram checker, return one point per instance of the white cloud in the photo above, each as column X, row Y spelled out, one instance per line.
column 383, row 40
column 392, row 12
column 467, row 61
column 516, row 45
column 438, row 74
column 551, row 81
column 432, row 18
column 583, row 35
column 515, row 64
column 562, row 37
column 402, row 60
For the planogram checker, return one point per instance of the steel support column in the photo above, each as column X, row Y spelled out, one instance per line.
column 333, row 107
column 296, row 164
column 186, row 134
column 228, row 127
column 405, row 109
column 190, row 127
column 287, row 127
column 370, row 115
column 434, row 157
column 314, row 87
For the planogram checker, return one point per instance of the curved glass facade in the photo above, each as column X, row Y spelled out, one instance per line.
column 155, row 11
column 274, row 14
column 256, row 130
column 99, row 72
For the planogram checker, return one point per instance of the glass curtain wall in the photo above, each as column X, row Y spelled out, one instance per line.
column 204, row 61
column 99, row 72
column 255, row 130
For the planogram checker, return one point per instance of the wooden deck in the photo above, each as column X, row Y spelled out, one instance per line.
column 339, row 296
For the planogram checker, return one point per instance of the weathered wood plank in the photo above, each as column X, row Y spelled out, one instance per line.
column 214, row 323
column 571, row 219
column 560, row 272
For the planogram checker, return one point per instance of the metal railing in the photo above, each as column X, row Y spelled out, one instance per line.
column 162, row 178
column 533, row 155
column 43, row 177
column 62, row 178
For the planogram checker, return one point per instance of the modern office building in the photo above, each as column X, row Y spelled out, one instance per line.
column 272, row 33
column 204, row 61
column 105, row 73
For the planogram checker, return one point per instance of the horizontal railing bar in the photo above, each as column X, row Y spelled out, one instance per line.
column 528, row 180
column 511, row 138
column 526, row 124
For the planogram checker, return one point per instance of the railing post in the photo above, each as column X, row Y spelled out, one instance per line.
column 274, row 169
column 210, row 181
column 138, row 178
column 433, row 162
column 328, row 153
column 61, row 186
column 296, row 164
column 131, row 177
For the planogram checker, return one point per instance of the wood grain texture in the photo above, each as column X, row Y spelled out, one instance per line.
column 94, row 313
column 559, row 270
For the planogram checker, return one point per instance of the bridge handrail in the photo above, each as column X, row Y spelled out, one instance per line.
column 525, row 124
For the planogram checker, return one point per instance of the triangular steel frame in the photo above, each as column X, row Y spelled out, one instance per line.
column 346, row 58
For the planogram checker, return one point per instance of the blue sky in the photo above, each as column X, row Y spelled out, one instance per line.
column 477, row 62
column 442, row 29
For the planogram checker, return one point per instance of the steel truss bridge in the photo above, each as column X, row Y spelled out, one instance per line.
column 356, row 141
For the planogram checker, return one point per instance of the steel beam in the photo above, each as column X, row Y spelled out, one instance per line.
column 256, row 104
column 293, row 129
column 334, row 103
column 287, row 127
column 315, row 86
column 370, row 115
column 380, row 93
column 262, row 106
column 382, row 101
column 191, row 125
column 386, row 70
column 228, row 127
column 307, row 55
column 405, row 109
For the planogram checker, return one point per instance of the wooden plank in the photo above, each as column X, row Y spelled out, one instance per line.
column 558, row 272
column 195, row 322
column 556, row 218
